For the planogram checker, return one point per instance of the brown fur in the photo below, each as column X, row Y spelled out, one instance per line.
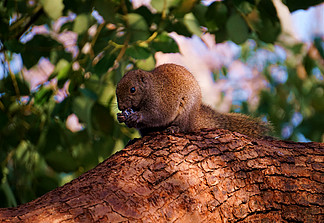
column 169, row 97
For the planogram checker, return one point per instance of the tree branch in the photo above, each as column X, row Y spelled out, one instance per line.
column 208, row 176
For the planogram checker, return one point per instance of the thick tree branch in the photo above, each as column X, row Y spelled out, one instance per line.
column 210, row 176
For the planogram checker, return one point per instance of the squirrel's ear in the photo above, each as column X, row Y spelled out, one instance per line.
column 144, row 76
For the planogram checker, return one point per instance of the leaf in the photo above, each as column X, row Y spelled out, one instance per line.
column 88, row 93
column 268, row 28
column 184, row 7
column 43, row 95
column 82, row 23
column 3, row 119
column 44, row 183
column 163, row 42
column 244, row 6
column 101, row 119
column 318, row 43
column 7, row 86
column 82, row 108
column 178, row 27
column 50, row 138
column 14, row 45
column 138, row 28
column 62, row 70
column 192, row 24
column 103, row 39
column 59, row 53
column 106, row 9
column 216, row 16
column 200, row 11
column 39, row 46
column 138, row 52
column 77, row 6
column 165, row 4
column 294, row 5
column 4, row 29
column 61, row 161
column 53, row 8
column 237, row 29
column 104, row 64
column 62, row 110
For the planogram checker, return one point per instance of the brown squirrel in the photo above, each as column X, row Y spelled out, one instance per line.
column 169, row 97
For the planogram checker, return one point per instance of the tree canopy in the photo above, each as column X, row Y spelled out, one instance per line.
column 83, row 47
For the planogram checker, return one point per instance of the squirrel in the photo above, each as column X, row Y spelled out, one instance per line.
column 169, row 98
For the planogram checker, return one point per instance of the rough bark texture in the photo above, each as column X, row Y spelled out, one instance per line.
column 210, row 176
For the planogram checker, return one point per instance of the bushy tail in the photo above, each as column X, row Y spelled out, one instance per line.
column 236, row 122
column 247, row 125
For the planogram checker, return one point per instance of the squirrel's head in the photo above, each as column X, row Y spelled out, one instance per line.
column 132, row 89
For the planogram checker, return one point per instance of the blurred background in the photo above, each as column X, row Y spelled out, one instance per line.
column 61, row 60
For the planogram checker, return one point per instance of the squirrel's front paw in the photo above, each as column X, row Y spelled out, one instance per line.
column 122, row 117
column 133, row 119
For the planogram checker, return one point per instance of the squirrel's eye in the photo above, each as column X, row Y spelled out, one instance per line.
column 132, row 90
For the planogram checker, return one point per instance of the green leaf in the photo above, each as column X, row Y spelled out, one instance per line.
column 165, row 4
column 318, row 43
column 192, row 24
column 138, row 52
column 237, row 29
column 3, row 119
column 39, row 46
column 88, row 93
column 44, row 183
column 269, row 30
column 42, row 96
column 184, row 7
column 294, row 5
column 106, row 9
column 82, row 108
column 62, row 69
column 7, row 86
column 50, row 138
column 200, row 11
column 61, row 161
column 165, row 43
column 62, row 110
column 4, row 29
column 14, row 45
column 82, row 23
column 103, row 39
column 269, row 27
column 147, row 64
column 11, row 200
column 216, row 16
column 138, row 28
column 101, row 119
column 105, row 63
column 178, row 27
column 244, row 6
column 53, row 8
column 78, row 6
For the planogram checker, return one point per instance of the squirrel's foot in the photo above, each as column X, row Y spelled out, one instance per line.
column 173, row 129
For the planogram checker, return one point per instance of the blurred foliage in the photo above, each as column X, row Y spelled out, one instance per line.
column 39, row 153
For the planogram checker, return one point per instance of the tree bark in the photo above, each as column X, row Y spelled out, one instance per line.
column 208, row 176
